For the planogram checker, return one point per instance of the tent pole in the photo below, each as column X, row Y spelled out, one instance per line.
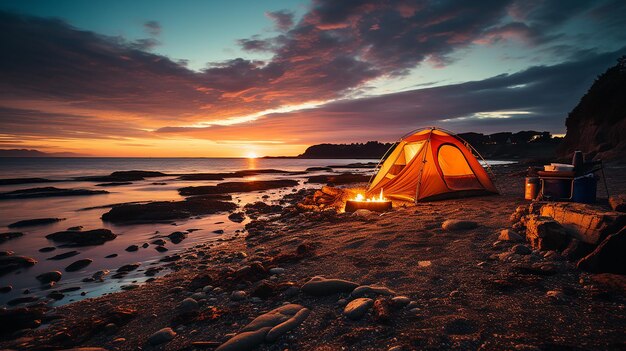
column 419, row 178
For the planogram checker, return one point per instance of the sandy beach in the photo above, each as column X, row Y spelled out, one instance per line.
column 406, row 283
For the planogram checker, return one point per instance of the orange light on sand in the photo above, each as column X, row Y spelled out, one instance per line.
column 379, row 198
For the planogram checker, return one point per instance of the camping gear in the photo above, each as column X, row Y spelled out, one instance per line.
column 585, row 189
column 430, row 164
column 531, row 188
column 558, row 167
column 578, row 161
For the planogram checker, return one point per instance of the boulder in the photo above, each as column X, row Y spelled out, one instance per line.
column 48, row 277
column 237, row 217
column 320, row 286
column 357, row 308
column 608, row 257
column 588, row 223
column 455, row 224
column 510, row 235
column 82, row 238
column 617, row 202
column 9, row 263
column 162, row 336
column 544, row 233
column 177, row 237
column 78, row 265
column 10, row 235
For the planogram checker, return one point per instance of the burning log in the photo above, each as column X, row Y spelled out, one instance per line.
column 377, row 204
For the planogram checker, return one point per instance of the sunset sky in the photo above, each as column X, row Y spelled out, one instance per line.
column 230, row 78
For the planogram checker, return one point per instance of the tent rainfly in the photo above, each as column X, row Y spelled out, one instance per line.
column 431, row 164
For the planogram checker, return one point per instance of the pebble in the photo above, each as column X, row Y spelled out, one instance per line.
column 161, row 248
column 238, row 295
column 455, row 224
column 521, row 249
column 320, row 286
column 162, row 336
column 132, row 248
column 188, row 305
column 277, row 270
column 357, row 308
column 400, row 301
column 364, row 290
column 510, row 235
column 207, row 288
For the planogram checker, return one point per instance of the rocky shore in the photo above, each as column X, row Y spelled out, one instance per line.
column 483, row 273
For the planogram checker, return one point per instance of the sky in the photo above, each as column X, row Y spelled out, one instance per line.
column 237, row 78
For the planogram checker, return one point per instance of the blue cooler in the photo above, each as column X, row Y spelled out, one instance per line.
column 585, row 188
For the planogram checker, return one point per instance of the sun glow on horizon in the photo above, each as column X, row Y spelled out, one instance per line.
column 252, row 154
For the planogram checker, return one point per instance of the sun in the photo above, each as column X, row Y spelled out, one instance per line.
column 251, row 155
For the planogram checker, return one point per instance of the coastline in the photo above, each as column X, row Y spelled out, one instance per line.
column 461, row 296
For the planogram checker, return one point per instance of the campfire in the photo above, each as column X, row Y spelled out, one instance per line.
column 375, row 203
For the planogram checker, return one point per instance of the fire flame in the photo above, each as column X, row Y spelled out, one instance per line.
column 379, row 198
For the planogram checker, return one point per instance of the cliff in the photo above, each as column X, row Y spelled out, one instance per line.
column 597, row 125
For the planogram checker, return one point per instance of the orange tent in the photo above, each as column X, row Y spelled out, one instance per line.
column 431, row 164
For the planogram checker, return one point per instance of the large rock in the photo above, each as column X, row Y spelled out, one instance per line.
column 588, row 223
column 267, row 327
column 320, row 286
column 357, row 308
column 510, row 235
column 544, row 233
column 47, row 192
column 48, row 277
column 608, row 257
column 618, row 202
column 34, row 222
column 83, row 238
column 237, row 187
column 371, row 290
column 9, row 263
column 163, row 211
column 78, row 265
column 10, row 235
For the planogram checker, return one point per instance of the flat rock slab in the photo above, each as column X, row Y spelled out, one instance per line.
column 83, row 238
column 34, row 222
column 320, row 286
column 588, row 223
column 10, row 235
column 78, row 265
column 47, row 192
column 162, row 211
column 455, row 224
column 267, row 327
column 357, row 308
column 237, row 187
column 344, row 178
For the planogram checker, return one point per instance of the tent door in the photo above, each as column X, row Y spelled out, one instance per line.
column 456, row 171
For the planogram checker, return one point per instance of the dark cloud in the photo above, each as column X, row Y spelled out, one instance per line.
column 153, row 28
column 283, row 20
column 538, row 98
column 330, row 52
